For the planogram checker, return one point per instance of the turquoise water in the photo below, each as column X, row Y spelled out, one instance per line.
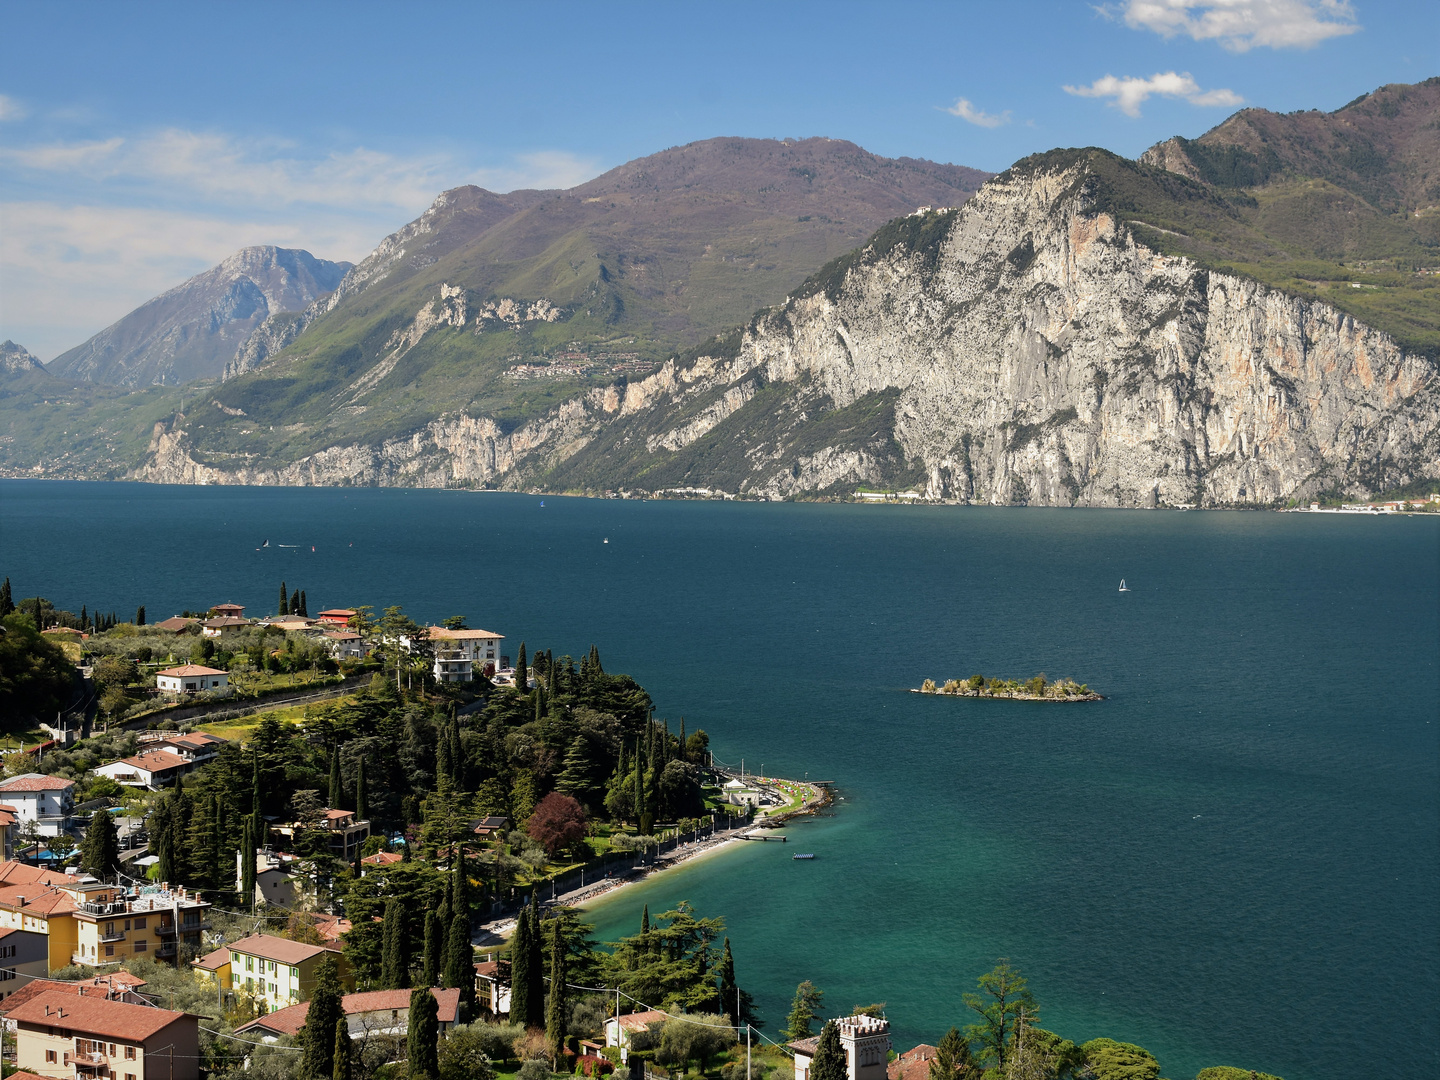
column 1231, row 860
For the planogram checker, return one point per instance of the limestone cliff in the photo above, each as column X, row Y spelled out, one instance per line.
column 1029, row 347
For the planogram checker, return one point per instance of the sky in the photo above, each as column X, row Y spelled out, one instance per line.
column 141, row 143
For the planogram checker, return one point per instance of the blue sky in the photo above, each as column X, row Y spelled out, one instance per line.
column 141, row 143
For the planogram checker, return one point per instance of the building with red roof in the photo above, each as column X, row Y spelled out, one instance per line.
column 376, row 1012
column 45, row 800
column 192, row 679
column 64, row 1036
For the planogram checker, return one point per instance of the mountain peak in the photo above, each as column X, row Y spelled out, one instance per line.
column 16, row 358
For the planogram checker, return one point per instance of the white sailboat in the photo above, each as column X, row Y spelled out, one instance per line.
column 1123, row 586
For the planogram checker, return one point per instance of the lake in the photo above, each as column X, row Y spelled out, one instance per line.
column 1234, row 859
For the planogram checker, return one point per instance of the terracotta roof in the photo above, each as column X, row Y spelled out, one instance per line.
column 461, row 635
column 152, row 761
column 337, row 815
column 342, row 635
column 212, row 961
column 7, row 815
column 26, row 1076
column 95, row 1016
column 289, row 1020
column 636, row 1021
column 65, row 630
column 225, row 620
column 191, row 669
column 228, row 607
column 383, row 858
column 36, row 782
column 175, row 622
column 338, row 611
column 805, row 1046
column 200, row 740
column 332, row 927
column 488, row 968
column 914, row 1064
column 281, row 950
column 120, row 978
column 19, row 873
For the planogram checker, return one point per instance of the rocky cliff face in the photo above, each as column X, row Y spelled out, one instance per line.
column 1024, row 349
column 15, row 359
column 194, row 330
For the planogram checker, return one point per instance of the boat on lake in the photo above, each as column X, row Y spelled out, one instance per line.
column 804, row 855
column 1123, row 586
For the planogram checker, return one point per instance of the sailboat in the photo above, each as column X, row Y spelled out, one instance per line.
column 1123, row 586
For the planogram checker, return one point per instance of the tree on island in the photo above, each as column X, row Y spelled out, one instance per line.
column 1004, row 996
column 829, row 1060
column 803, row 1011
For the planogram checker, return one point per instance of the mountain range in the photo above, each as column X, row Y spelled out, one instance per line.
column 1248, row 317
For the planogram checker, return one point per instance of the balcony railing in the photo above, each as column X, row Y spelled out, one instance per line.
column 166, row 951
column 165, row 929
column 108, row 939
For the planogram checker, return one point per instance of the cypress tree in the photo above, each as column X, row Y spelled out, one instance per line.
column 432, row 949
column 422, row 1038
column 255, row 789
column 557, row 1007
column 595, row 664
column 219, row 870
column 84, row 618
column 729, row 999
column 829, row 1060
column 645, row 921
column 443, row 772
column 536, row 971
column 520, row 946
column 394, row 964
column 457, row 755
column 140, row 615
column 295, row 602
column 7, row 605
column 100, row 850
column 522, row 678
column 304, row 607
column 341, row 1053
column 336, row 793
column 639, row 784
column 247, row 863
column 318, row 1061
column 362, row 805
column 284, row 608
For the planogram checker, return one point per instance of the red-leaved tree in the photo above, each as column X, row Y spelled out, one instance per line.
column 558, row 822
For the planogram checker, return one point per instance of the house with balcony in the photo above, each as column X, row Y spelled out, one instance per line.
column 224, row 626
column 275, row 971
column 196, row 748
column 345, row 644
column 492, row 987
column 45, row 800
column 114, row 925
column 9, row 817
column 345, row 834
column 78, row 1036
column 463, row 655
column 151, row 769
column 619, row 1029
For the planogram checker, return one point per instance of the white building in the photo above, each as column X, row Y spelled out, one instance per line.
column 346, row 645
column 865, row 1042
column 741, row 793
column 45, row 800
column 153, row 768
column 192, row 679
column 223, row 626
column 462, row 655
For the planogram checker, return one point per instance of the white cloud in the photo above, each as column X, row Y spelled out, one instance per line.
column 967, row 111
column 1240, row 25
column 1130, row 93
column 10, row 109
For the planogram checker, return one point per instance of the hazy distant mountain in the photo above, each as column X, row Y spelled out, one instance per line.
column 16, row 358
column 193, row 330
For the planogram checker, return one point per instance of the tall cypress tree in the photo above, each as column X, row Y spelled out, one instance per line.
column 304, row 607
column 557, row 1008
column 295, row 602
column 433, row 949
column 520, row 946
column 457, row 754
column 639, row 785
column 536, row 972
column 645, row 921
column 247, row 863
column 7, row 605
column 284, row 608
column 422, row 1036
column 336, row 793
column 100, row 850
column 729, row 999
column 318, row 1061
column 341, row 1053
column 362, row 804
column 140, row 615
column 522, row 677
column 829, row 1060
column 220, row 868
column 394, row 963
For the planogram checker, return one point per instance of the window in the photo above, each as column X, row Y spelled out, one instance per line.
column 129, row 1076
column 141, row 945
column 139, row 924
column 129, row 1053
column 109, row 950
column 112, row 1049
column 50, row 1055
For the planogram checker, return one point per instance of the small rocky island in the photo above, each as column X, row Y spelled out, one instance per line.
column 1036, row 689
